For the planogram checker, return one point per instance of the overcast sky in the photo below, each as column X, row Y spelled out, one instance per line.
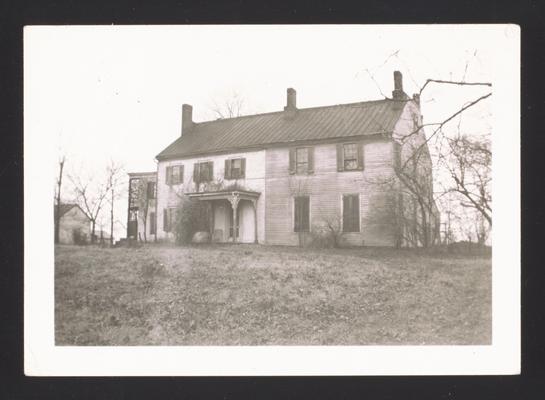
column 114, row 92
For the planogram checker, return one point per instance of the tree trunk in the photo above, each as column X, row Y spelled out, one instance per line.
column 112, row 220
column 58, row 215
column 93, row 223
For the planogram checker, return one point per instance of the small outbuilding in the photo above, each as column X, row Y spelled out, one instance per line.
column 74, row 225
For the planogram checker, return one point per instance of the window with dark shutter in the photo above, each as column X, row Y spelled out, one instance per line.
column 176, row 174
column 168, row 175
column 301, row 160
column 351, row 213
column 350, row 156
column 152, row 224
column 203, row 172
column 151, row 190
column 235, row 168
column 301, row 220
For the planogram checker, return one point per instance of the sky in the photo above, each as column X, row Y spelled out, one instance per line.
column 105, row 93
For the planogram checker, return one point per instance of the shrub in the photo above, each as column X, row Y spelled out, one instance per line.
column 323, row 237
column 191, row 216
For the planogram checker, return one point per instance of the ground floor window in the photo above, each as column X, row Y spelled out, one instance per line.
column 351, row 213
column 152, row 224
column 301, row 214
column 169, row 218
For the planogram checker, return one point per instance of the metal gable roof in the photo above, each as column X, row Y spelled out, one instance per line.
column 262, row 130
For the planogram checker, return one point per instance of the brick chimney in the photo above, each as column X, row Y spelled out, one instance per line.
column 187, row 118
column 291, row 102
column 398, row 93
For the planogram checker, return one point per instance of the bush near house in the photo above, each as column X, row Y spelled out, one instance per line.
column 191, row 216
column 260, row 295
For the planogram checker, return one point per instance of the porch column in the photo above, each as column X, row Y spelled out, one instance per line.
column 254, row 202
column 233, row 199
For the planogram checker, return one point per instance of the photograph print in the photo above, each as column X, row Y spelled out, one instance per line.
column 248, row 187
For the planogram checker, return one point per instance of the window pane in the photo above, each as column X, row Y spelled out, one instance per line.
column 350, row 164
column 204, row 172
column 350, row 151
column 301, row 156
column 176, row 174
column 350, row 156
column 236, row 168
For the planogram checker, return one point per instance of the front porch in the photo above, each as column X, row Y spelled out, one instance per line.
column 233, row 215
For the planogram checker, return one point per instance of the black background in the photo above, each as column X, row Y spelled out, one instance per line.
column 530, row 15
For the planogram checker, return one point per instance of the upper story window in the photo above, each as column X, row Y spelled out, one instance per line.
column 349, row 156
column 175, row 174
column 150, row 190
column 203, row 171
column 301, row 160
column 235, row 168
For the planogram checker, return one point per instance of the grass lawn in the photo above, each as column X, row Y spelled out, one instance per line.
column 259, row 295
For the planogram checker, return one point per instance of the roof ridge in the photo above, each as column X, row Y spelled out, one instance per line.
column 299, row 109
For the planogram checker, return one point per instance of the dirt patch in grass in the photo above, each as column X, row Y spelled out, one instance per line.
column 258, row 295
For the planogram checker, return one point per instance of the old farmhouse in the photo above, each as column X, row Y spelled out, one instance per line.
column 285, row 177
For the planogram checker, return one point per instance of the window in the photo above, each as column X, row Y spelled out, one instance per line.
column 152, row 224
column 151, row 190
column 175, row 174
column 349, row 156
column 301, row 160
column 235, row 168
column 351, row 213
column 301, row 214
column 203, row 171
column 168, row 219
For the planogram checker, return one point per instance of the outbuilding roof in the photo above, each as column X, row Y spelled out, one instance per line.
column 64, row 208
column 284, row 127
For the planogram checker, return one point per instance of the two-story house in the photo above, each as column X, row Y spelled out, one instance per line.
column 278, row 178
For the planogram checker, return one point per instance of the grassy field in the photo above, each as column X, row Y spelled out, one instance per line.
column 258, row 295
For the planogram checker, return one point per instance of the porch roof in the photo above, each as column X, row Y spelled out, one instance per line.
column 225, row 194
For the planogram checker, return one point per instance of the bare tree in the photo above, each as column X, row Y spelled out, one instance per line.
column 115, row 178
column 468, row 162
column 62, row 160
column 329, row 228
column 90, row 197
column 229, row 108
column 416, row 208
